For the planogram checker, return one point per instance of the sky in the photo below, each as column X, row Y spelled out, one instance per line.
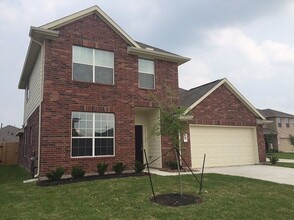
column 248, row 42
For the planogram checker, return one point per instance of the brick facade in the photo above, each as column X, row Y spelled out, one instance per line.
column 28, row 142
column 222, row 107
column 62, row 95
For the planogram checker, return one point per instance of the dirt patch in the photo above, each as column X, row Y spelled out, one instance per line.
column 88, row 178
column 176, row 199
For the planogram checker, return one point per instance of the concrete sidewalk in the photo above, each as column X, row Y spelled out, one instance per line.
column 274, row 174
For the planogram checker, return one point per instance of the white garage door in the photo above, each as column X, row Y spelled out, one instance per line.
column 223, row 145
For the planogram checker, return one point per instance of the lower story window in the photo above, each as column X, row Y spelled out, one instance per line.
column 92, row 134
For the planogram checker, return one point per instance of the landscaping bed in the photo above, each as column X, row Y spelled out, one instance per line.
column 88, row 178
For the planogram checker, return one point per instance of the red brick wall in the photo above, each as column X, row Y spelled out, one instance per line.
column 62, row 95
column 223, row 108
column 31, row 144
column 261, row 144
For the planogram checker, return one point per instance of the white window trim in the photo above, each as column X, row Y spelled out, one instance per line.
column 93, row 66
column 93, row 138
column 146, row 73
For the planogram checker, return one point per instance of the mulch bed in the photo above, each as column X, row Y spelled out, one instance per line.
column 88, row 178
column 176, row 199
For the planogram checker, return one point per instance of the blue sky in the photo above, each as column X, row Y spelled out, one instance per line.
column 249, row 42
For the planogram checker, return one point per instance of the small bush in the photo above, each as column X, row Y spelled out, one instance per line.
column 118, row 168
column 172, row 165
column 139, row 167
column 77, row 172
column 56, row 174
column 273, row 159
column 101, row 168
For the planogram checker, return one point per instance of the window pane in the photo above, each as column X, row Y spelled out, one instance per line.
column 104, row 58
column 80, row 122
column 146, row 81
column 82, row 72
column 82, row 55
column 104, row 125
column 103, row 75
column 103, row 146
column 146, row 66
column 82, row 147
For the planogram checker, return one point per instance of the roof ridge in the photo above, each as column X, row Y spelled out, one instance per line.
column 218, row 80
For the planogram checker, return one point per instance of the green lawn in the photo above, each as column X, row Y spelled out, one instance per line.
column 284, row 155
column 225, row 197
column 290, row 165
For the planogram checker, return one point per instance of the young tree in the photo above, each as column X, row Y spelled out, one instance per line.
column 291, row 140
column 172, row 124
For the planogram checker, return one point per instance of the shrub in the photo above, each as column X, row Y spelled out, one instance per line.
column 77, row 172
column 139, row 167
column 273, row 159
column 101, row 168
column 55, row 175
column 172, row 165
column 118, row 168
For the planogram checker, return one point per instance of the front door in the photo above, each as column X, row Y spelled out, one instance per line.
column 139, row 142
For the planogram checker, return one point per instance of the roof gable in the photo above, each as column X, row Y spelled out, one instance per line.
column 81, row 14
column 48, row 31
column 196, row 95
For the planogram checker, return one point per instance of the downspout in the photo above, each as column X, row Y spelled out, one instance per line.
column 40, row 107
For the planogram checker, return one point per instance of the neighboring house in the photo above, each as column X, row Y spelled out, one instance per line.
column 7, row 134
column 89, row 94
column 277, row 132
column 225, row 126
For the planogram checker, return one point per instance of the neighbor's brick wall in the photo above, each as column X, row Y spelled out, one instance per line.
column 261, row 143
column 223, row 108
column 62, row 95
column 30, row 146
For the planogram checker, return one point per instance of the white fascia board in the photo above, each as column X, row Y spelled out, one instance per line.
column 38, row 35
column 151, row 54
column 78, row 15
column 263, row 122
column 204, row 97
column 234, row 91
column 243, row 100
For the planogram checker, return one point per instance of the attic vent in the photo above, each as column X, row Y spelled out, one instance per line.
column 149, row 48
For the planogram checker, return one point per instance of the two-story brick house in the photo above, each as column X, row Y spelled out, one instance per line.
column 277, row 132
column 89, row 94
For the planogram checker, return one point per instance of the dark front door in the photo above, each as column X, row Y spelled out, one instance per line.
column 139, row 142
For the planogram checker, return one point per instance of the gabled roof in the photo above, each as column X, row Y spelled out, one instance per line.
column 270, row 113
column 191, row 98
column 188, row 97
column 49, row 31
column 7, row 134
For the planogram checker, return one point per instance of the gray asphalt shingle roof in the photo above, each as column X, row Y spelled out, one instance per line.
column 188, row 97
column 270, row 113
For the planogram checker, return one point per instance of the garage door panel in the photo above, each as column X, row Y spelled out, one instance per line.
column 223, row 146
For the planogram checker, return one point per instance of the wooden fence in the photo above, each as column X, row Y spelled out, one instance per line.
column 8, row 153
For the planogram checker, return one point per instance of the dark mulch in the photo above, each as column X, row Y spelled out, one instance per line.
column 176, row 199
column 88, row 178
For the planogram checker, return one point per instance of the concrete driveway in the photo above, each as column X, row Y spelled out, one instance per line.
column 263, row 172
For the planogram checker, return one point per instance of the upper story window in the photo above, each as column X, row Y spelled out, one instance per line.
column 279, row 121
column 146, row 74
column 287, row 123
column 92, row 65
column 92, row 134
